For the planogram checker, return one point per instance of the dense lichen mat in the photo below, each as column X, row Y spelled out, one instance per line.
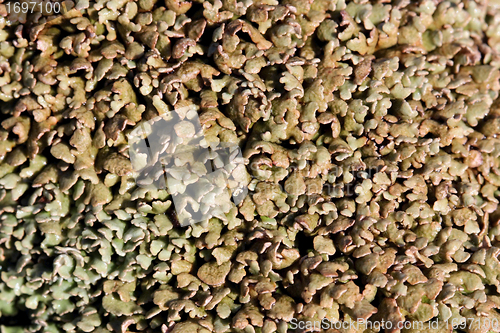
column 369, row 133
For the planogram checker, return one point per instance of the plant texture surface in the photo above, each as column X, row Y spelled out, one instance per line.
column 369, row 137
